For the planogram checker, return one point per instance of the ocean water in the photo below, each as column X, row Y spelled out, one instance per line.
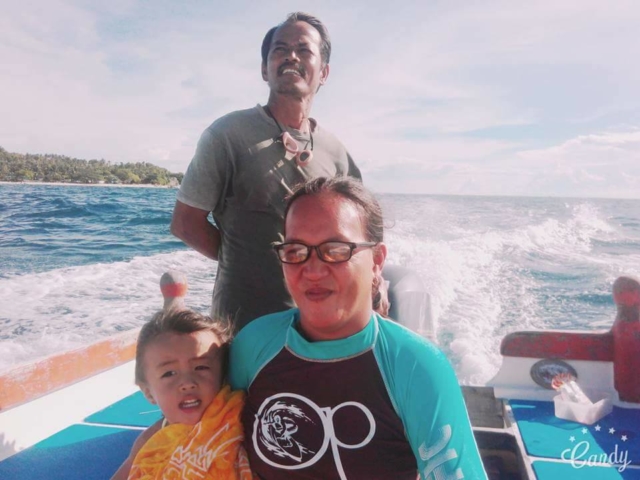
column 81, row 263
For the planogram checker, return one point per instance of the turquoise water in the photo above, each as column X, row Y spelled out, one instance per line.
column 81, row 263
column 47, row 227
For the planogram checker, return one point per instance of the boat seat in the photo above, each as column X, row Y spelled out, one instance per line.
column 551, row 442
column 85, row 451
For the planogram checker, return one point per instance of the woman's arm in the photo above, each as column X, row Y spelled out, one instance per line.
column 123, row 472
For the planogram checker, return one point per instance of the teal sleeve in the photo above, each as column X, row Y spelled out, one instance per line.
column 255, row 345
column 426, row 394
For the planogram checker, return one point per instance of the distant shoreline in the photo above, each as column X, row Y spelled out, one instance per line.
column 66, row 184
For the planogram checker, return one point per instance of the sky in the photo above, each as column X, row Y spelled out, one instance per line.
column 430, row 97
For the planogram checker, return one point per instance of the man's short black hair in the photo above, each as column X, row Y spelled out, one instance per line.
column 325, row 41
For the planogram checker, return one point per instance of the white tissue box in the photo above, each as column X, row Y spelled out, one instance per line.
column 584, row 413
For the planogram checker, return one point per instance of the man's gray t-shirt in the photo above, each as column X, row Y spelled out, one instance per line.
column 242, row 173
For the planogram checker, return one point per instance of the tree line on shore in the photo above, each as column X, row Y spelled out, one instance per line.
column 17, row 167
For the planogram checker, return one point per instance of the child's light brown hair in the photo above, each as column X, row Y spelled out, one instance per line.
column 180, row 322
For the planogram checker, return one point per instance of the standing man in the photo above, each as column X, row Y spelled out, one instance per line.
column 246, row 163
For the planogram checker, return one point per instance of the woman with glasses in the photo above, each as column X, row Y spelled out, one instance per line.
column 334, row 390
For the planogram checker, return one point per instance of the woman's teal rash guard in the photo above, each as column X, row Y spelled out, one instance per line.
column 382, row 404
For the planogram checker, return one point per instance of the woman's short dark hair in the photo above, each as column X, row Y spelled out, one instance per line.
column 325, row 41
column 180, row 322
column 353, row 191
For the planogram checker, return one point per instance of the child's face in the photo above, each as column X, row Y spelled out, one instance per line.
column 183, row 374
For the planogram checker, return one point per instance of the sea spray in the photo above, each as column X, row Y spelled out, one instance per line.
column 84, row 262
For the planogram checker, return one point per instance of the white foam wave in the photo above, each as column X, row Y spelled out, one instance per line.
column 477, row 269
column 48, row 312
column 571, row 236
column 469, row 287
column 479, row 289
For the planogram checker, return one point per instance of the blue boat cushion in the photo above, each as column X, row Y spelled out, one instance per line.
column 79, row 452
column 85, row 451
column 133, row 411
column 565, row 471
column 614, row 438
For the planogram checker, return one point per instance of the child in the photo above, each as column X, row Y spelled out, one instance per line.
column 180, row 360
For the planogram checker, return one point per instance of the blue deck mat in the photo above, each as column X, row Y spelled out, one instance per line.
column 79, row 452
column 134, row 411
column 565, row 471
column 616, row 436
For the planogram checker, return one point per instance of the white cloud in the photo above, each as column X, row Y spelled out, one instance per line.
column 535, row 98
column 617, row 149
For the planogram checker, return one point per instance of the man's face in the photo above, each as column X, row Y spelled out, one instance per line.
column 183, row 374
column 334, row 298
column 294, row 63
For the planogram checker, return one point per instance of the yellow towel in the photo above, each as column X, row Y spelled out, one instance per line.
column 211, row 449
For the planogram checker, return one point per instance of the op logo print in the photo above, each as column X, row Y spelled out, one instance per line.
column 284, row 421
column 278, row 426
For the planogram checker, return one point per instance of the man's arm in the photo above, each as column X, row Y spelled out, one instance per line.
column 192, row 226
